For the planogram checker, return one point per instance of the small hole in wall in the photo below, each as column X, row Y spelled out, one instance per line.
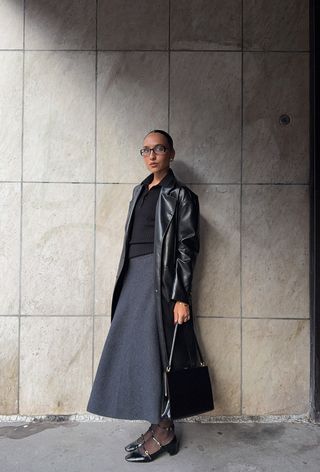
column 284, row 119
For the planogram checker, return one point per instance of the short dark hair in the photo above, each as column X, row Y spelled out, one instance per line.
column 167, row 135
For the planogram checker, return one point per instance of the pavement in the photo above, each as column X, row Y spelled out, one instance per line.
column 98, row 446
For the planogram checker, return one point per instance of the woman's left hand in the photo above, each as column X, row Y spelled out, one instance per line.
column 181, row 312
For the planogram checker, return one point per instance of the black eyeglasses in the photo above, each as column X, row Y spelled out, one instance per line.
column 158, row 149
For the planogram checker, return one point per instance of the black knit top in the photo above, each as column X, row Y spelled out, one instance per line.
column 141, row 236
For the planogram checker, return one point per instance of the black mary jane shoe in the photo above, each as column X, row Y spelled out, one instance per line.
column 172, row 448
column 138, row 442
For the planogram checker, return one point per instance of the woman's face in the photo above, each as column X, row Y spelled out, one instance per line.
column 157, row 162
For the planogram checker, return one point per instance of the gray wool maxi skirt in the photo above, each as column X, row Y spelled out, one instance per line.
column 129, row 381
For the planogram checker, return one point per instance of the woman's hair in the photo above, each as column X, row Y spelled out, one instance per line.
column 167, row 135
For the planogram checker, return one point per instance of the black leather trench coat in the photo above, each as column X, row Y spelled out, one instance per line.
column 176, row 245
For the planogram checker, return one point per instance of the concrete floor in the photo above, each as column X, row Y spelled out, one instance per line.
column 87, row 446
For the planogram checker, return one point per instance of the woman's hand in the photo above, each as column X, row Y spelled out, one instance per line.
column 181, row 312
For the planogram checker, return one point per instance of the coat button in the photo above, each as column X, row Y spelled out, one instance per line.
column 156, row 290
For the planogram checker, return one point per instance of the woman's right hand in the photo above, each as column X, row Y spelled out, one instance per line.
column 181, row 312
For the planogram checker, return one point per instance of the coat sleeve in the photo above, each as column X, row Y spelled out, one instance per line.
column 188, row 246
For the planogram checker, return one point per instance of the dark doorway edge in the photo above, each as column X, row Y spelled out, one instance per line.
column 314, row 11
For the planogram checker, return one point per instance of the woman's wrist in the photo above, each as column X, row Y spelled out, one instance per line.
column 183, row 303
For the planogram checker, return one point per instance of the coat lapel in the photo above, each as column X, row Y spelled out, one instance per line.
column 165, row 208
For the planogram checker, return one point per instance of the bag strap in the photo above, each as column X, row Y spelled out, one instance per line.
column 172, row 347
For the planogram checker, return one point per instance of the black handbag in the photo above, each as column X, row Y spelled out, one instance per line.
column 188, row 389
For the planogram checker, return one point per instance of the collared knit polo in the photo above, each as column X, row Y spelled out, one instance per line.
column 141, row 237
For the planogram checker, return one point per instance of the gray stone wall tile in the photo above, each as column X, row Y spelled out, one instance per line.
column 10, row 114
column 10, row 204
column 59, row 116
column 219, row 341
column 133, row 25
column 276, row 85
column 274, row 25
column 216, row 285
column 66, row 24
column 57, row 249
column 11, row 24
column 111, row 211
column 205, row 24
column 275, row 251
column 55, row 364
column 275, row 367
column 132, row 100
column 205, row 115
column 9, row 364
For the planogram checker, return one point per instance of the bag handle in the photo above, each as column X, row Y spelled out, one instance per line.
column 173, row 341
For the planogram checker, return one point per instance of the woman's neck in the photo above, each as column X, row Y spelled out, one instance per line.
column 158, row 176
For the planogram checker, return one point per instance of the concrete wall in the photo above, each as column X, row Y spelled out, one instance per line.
column 79, row 88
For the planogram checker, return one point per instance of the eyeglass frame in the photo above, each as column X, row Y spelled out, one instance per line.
column 152, row 149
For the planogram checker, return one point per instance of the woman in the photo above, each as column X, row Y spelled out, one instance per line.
column 152, row 293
